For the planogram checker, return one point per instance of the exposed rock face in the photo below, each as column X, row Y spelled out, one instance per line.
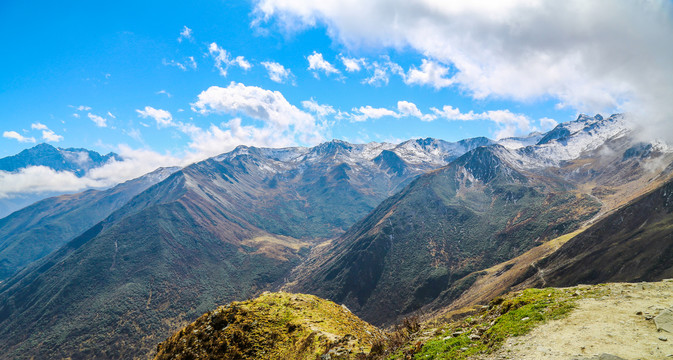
column 664, row 321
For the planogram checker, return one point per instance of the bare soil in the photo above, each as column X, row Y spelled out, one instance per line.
column 619, row 324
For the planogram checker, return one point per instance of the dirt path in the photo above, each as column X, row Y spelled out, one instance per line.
column 616, row 324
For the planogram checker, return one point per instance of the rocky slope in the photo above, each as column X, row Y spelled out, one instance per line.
column 219, row 230
column 232, row 226
column 434, row 239
column 470, row 215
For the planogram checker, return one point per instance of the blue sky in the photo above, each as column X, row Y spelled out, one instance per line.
column 111, row 59
column 174, row 82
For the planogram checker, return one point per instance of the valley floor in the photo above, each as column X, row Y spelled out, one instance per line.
column 620, row 324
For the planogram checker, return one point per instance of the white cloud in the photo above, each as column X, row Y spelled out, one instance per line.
column 353, row 64
column 317, row 63
column 406, row 108
column 37, row 179
column 76, row 115
column 318, row 109
column 185, row 34
column 219, row 139
column 110, row 115
column 188, row 63
column 450, row 113
column 18, row 137
column 191, row 62
column 364, row 113
column 98, row 120
column 277, row 72
column 38, row 126
column 164, row 92
column 430, row 73
column 162, row 117
column 283, row 123
column 242, row 63
column 82, row 108
column 223, row 62
column 592, row 56
column 381, row 72
column 547, row 124
column 509, row 124
column 47, row 134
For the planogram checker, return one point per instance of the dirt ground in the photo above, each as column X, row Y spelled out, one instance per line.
column 619, row 324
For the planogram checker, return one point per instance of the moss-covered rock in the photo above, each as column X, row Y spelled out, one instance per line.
column 274, row 326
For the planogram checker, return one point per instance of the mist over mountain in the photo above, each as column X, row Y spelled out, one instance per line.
column 78, row 161
column 75, row 161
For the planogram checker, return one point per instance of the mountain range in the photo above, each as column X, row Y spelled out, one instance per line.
column 388, row 230
column 76, row 161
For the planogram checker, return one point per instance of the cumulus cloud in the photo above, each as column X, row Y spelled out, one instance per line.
column 164, row 92
column 509, row 124
column 547, row 124
column 162, row 117
column 277, row 72
column 407, row 108
column 592, row 56
column 38, row 126
column 51, row 136
column 284, row 122
column 430, row 73
column 98, row 120
column 18, row 137
column 364, row 113
column 317, row 63
column 353, row 64
column 223, row 60
column 185, row 34
column 39, row 179
column 216, row 140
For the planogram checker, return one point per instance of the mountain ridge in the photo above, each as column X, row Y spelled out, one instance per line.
column 236, row 224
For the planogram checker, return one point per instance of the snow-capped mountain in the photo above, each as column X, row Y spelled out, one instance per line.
column 77, row 161
column 568, row 141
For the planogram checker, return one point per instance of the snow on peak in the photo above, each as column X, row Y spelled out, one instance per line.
column 567, row 141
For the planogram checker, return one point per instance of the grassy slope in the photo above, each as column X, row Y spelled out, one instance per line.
column 514, row 314
column 273, row 326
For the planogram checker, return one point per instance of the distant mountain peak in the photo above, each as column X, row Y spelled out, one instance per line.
column 76, row 160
